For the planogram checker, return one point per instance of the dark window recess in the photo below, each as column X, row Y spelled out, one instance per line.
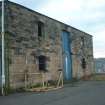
column 40, row 29
column 42, row 63
column 83, row 41
column 18, row 51
column 83, row 63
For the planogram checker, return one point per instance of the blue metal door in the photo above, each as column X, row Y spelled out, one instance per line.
column 66, row 55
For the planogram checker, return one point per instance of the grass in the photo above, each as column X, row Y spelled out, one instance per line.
column 98, row 77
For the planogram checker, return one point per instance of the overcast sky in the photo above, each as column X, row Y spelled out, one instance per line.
column 86, row 15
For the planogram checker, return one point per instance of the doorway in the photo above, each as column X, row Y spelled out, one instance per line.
column 67, row 62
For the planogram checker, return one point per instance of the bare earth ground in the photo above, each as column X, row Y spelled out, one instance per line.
column 81, row 93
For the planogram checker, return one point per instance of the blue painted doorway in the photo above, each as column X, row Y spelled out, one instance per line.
column 67, row 62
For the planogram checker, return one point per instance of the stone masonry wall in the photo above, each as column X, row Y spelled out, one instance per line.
column 23, row 29
column 26, row 46
column 82, row 47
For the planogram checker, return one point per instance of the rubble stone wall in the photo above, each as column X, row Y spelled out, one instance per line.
column 26, row 46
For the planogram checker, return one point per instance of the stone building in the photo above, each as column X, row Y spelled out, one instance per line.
column 99, row 65
column 36, row 43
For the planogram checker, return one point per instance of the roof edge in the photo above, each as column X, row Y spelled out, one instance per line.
column 46, row 16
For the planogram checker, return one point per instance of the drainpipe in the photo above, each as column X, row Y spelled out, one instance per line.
column 3, row 48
